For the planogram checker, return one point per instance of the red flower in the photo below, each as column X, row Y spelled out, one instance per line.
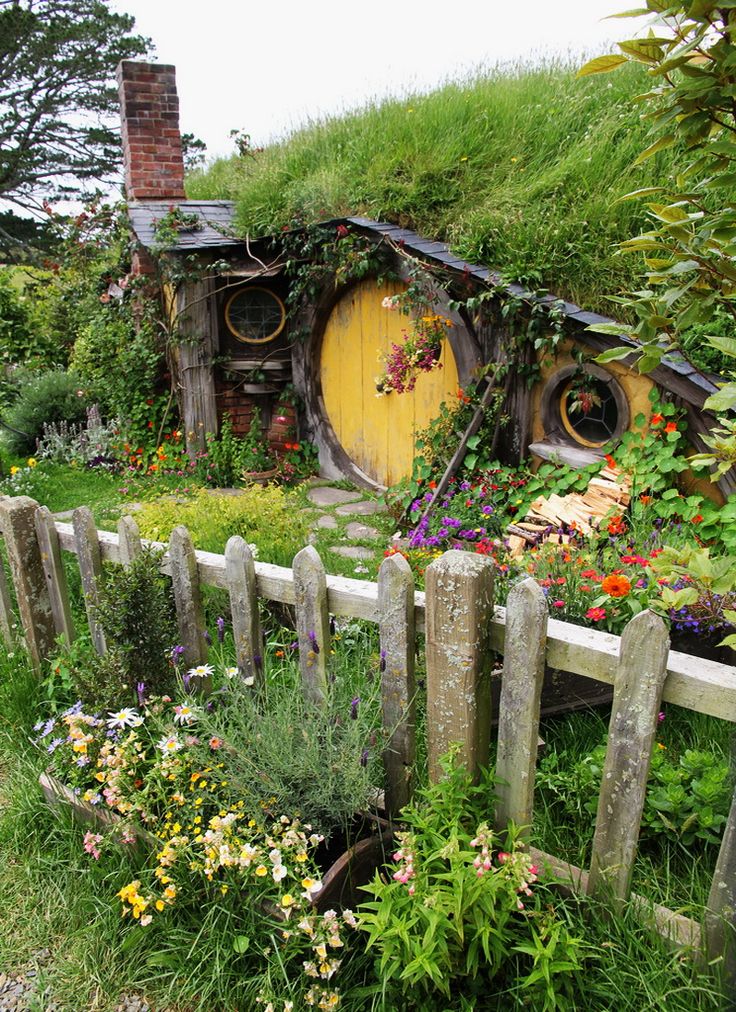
column 341, row 231
column 616, row 526
column 670, row 427
column 609, row 460
column 432, row 484
column 558, row 604
column 656, row 419
column 698, row 519
column 596, row 614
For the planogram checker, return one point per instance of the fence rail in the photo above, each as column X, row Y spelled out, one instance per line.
column 462, row 630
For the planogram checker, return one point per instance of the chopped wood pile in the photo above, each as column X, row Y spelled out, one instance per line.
column 558, row 518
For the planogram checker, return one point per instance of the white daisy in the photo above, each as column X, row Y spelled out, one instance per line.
column 231, row 672
column 127, row 717
column 169, row 744
column 201, row 671
column 184, row 714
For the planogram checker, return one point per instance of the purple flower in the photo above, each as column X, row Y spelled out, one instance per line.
column 364, row 757
column 220, row 628
column 382, row 665
column 207, row 637
column 354, row 703
column 177, row 653
column 141, row 692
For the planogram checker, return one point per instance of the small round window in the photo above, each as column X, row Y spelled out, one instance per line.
column 589, row 412
column 255, row 315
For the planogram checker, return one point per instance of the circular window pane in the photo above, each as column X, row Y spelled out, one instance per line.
column 255, row 315
column 589, row 412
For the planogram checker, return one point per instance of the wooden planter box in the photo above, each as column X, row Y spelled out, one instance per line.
column 341, row 881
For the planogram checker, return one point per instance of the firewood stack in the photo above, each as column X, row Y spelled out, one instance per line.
column 558, row 518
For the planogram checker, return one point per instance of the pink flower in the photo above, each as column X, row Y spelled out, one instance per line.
column 90, row 844
column 558, row 604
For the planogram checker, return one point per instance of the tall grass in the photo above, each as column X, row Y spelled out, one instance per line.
column 519, row 168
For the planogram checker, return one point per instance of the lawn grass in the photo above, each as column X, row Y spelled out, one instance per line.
column 519, row 168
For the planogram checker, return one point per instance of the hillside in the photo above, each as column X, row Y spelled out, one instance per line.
column 519, row 170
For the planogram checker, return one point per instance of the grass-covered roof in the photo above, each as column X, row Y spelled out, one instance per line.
column 520, row 169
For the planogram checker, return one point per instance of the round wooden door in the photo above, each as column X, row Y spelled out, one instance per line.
column 377, row 433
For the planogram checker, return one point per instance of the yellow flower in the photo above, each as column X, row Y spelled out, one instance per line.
column 287, row 900
column 14, row 470
column 261, row 870
column 32, row 461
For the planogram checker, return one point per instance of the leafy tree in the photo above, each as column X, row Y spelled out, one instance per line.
column 690, row 249
column 57, row 97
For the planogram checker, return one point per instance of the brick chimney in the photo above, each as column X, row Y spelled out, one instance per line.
column 149, row 110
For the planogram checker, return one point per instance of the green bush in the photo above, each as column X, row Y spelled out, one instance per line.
column 53, row 396
column 136, row 611
column 266, row 517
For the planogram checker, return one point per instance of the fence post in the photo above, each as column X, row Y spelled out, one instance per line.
column 521, row 693
column 312, row 623
column 90, row 569
column 720, row 912
column 17, row 521
column 459, row 609
column 240, row 573
column 129, row 539
column 397, row 639
column 188, row 599
column 54, row 572
column 642, row 669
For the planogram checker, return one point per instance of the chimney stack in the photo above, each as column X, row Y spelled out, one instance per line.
column 149, row 110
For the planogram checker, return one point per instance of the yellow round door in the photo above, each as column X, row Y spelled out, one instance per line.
column 377, row 433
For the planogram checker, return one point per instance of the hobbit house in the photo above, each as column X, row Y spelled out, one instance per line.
column 251, row 332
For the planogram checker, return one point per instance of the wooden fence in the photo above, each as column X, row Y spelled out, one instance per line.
column 463, row 629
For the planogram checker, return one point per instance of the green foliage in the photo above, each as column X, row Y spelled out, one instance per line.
column 687, row 800
column 19, row 344
column 228, row 458
column 55, row 135
column 46, row 397
column 136, row 612
column 688, row 247
column 315, row 761
column 519, row 168
column 450, row 919
column 261, row 515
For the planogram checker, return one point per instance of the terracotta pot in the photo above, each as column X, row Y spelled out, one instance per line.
column 260, row 477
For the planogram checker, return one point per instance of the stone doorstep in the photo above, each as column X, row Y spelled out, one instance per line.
column 365, row 508
column 353, row 552
column 326, row 495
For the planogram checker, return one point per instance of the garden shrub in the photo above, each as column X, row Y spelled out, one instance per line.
column 266, row 516
column 136, row 611
column 48, row 397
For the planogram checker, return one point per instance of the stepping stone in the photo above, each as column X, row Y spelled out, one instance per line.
column 357, row 531
column 353, row 552
column 327, row 521
column 366, row 508
column 325, row 495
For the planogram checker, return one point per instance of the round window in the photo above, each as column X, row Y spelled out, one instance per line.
column 255, row 315
column 588, row 408
column 589, row 412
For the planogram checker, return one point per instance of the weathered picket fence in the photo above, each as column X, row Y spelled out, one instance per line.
column 463, row 630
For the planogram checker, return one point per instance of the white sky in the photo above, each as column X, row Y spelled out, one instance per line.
column 266, row 66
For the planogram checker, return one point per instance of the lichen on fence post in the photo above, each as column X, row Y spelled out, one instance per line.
column 240, row 573
column 312, row 623
column 129, row 540
column 397, row 639
column 53, row 567
column 188, row 599
column 459, row 609
column 90, row 570
column 642, row 669
column 17, row 521
column 720, row 911
column 521, row 693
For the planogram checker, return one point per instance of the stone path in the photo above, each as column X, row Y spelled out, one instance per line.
column 337, row 502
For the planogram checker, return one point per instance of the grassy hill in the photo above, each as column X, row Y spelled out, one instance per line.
column 519, row 170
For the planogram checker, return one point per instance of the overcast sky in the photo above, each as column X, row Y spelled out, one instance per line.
column 267, row 66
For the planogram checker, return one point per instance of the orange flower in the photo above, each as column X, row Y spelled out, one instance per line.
column 609, row 460
column 616, row 585
column 616, row 526
column 432, row 484
column 698, row 519
column 670, row 427
column 645, row 499
column 656, row 419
